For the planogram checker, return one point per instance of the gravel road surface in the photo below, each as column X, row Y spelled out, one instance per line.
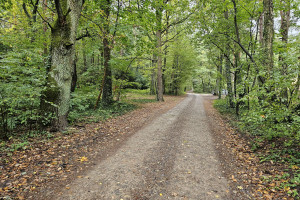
column 173, row 157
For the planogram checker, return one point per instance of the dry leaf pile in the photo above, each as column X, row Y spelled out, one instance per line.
column 249, row 178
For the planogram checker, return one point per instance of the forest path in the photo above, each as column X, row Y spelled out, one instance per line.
column 173, row 157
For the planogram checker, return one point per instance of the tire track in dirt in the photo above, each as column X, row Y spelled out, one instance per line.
column 173, row 157
column 160, row 160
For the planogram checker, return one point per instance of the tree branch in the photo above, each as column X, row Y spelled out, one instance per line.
column 117, row 19
column 26, row 12
column 87, row 34
column 35, row 7
column 177, row 22
column 168, row 40
column 242, row 47
column 224, row 53
column 59, row 10
column 44, row 19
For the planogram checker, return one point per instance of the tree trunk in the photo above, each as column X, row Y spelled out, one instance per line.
column 45, row 28
column 228, row 81
column 284, row 30
column 228, row 69
column 220, row 75
column 56, row 97
column 85, row 66
column 107, row 97
column 268, row 36
column 74, row 75
column 261, row 27
column 159, row 94
column 165, row 55
column 153, row 82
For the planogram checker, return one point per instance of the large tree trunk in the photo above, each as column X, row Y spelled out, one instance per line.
column 56, row 96
column 159, row 95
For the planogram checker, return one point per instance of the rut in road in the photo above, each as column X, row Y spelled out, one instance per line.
column 173, row 157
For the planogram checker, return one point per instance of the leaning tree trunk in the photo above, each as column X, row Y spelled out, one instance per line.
column 55, row 98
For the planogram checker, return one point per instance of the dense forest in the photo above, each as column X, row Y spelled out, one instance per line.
column 63, row 60
column 60, row 58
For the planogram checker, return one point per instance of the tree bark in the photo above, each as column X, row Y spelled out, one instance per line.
column 284, row 30
column 45, row 28
column 165, row 55
column 153, row 84
column 228, row 69
column 219, row 78
column 261, row 27
column 268, row 36
column 107, row 97
column 74, row 75
column 56, row 96
column 159, row 94
column 85, row 66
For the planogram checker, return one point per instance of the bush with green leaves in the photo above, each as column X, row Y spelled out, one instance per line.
column 82, row 107
column 22, row 78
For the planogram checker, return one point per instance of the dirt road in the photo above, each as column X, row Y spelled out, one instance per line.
column 173, row 157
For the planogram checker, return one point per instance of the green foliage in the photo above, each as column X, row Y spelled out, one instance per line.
column 22, row 79
column 17, row 146
column 82, row 107
column 181, row 63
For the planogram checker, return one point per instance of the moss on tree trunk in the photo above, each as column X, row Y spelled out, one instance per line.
column 55, row 98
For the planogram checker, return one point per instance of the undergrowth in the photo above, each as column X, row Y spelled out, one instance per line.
column 275, row 138
column 81, row 111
